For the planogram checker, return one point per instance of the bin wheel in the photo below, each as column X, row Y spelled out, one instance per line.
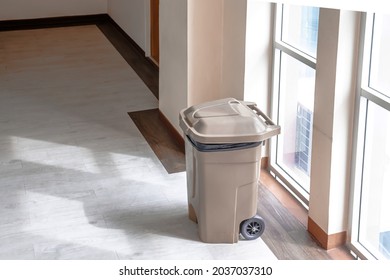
column 252, row 228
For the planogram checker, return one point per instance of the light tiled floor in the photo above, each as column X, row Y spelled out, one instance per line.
column 77, row 179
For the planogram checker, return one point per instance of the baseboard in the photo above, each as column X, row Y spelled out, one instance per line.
column 172, row 130
column 124, row 34
column 264, row 162
column 25, row 24
column 326, row 241
column 132, row 42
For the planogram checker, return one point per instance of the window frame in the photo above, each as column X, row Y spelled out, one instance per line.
column 280, row 47
column 364, row 95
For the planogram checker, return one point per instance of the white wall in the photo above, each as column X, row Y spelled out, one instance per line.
column 27, row 9
column 216, row 49
column 233, row 55
column 258, row 54
column 132, row 16
column 205, row 50
column 202, row 53
column 173, row 59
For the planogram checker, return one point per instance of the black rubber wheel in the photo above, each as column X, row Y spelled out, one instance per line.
column 252, row 228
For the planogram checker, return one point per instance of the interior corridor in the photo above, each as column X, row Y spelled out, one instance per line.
column 77, row 179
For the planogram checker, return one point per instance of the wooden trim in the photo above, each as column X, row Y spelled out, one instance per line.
column 132, row 53
column 154, row 31
column 172, row 130
column 264, row 163
column 191, row 213
column 326, row 241
column 24, row 24
column 132, row 42
column 153, row 63
column 128, row 38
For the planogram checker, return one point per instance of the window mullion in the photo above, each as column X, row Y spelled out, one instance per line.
column 376, row 97
column 297, row 54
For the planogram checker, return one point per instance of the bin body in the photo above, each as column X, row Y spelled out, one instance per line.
column 222, row 190
column 222, row 170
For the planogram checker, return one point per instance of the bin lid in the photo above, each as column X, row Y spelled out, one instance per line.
column 226, row 121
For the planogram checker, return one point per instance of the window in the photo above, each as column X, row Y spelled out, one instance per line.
column 371, row 210
column 380, row 57
column 295, row 49
column 300, row 28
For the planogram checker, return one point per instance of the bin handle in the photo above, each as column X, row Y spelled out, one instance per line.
column 268, row 121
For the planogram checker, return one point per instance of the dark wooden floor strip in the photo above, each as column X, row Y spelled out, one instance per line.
column 132, row 53
column 160, row 140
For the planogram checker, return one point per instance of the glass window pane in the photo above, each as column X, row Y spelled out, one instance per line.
column 296, row 101
column 380, row 57
column 300, row 28
column 374, row 228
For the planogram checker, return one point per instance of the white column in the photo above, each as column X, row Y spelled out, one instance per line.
column 233, row 55
column 333, row 119
column 205, row 51
column 173, row 93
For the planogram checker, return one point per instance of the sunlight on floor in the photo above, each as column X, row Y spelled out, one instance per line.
column 53, row 154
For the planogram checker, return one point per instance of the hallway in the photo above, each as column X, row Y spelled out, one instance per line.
column 77, row 179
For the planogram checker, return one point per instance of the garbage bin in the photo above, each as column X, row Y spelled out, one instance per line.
column 223, row 140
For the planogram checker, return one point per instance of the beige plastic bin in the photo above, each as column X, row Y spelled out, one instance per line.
column 223, row 151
